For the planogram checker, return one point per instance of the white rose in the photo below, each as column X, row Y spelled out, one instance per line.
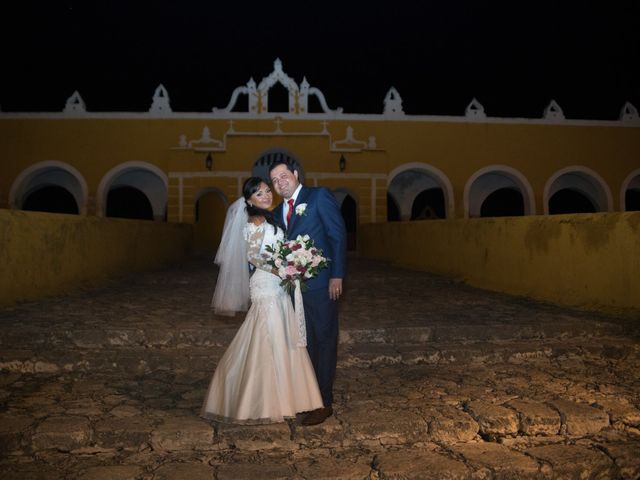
column 300, row 209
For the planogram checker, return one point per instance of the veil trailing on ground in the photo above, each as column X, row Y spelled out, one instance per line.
column 232, row 287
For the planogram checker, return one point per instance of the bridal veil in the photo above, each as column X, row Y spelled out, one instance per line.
column 232, row 287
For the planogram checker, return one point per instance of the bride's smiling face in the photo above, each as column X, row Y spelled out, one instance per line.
column 262, row 198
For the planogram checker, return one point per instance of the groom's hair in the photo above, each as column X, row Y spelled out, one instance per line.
column 282, row 161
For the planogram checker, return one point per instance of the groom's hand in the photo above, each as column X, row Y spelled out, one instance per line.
column 335, row 288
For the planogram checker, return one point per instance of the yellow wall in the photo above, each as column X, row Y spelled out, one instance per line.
column 46, row 254
column 586, row 260
column 459, row 149
column 552, row 258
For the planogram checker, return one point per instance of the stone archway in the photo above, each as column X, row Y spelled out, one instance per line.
column 58, row 183
column 139, row 176
column 498, row 183
column 580, row 185
column 409, row 181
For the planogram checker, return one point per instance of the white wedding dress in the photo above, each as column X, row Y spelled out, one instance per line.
column 264, row 376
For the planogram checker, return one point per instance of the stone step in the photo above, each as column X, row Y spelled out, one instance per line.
column 481, row 331
column 160, row 336
column 488, row 352
column 141, row 359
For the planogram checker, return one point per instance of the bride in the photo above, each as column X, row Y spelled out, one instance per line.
column 265, row 376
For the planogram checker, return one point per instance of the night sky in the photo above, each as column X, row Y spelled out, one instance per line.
column 439, row 55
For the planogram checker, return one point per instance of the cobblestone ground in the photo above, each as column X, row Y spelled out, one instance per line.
column 435, row 380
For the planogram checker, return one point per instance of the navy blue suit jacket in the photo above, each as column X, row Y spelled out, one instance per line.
column 322, row 221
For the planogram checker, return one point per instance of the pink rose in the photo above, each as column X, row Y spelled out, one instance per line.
column 291, row 270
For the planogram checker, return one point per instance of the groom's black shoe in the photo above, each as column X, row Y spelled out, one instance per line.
column 317, row 416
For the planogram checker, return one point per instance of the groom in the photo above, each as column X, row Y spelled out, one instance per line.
column 315, row 212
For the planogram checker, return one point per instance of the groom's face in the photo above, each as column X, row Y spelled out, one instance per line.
column 284, row 181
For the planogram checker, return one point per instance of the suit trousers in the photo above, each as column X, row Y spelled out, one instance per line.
column 321, row 315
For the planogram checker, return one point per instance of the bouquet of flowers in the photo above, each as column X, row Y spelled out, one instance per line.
column 295, row 260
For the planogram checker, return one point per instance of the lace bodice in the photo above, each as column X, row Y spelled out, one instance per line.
column 258, row 237
column 263, row 283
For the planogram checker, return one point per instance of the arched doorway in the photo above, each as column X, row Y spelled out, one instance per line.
column 52, row 199
column 349, row 210
column 210, row 211
column 50, row 186
column 419, row 189
column 498, row 191
column 576, row 189
column 136, row 182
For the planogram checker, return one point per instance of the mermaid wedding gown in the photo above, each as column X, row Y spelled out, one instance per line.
column 265, row 375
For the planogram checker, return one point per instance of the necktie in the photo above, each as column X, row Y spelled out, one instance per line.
column 290, row 212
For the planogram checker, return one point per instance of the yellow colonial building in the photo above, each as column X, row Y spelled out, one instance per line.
column 185, row 168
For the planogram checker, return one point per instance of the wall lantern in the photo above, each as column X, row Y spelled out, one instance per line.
column 208, row 161
column 342, row 163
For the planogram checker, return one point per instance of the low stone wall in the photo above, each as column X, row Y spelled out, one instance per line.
column 44, row 254
column 582, row 260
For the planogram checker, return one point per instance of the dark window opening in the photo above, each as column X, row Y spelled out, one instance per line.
column 429, row 204
column 278, row 98
column 52, row 199
column 393, row 212
column 570, row 201
column 632, row 200
column 128, row 202
column 504, row 202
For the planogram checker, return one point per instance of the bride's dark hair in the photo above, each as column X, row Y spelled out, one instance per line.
column 251, row 186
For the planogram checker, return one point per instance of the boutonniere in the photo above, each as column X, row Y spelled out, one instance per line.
column 301, row 209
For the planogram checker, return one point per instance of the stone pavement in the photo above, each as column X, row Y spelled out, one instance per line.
column 435, row 380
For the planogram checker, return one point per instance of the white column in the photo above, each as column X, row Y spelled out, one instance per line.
column 180, row 198
column 373, row 200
